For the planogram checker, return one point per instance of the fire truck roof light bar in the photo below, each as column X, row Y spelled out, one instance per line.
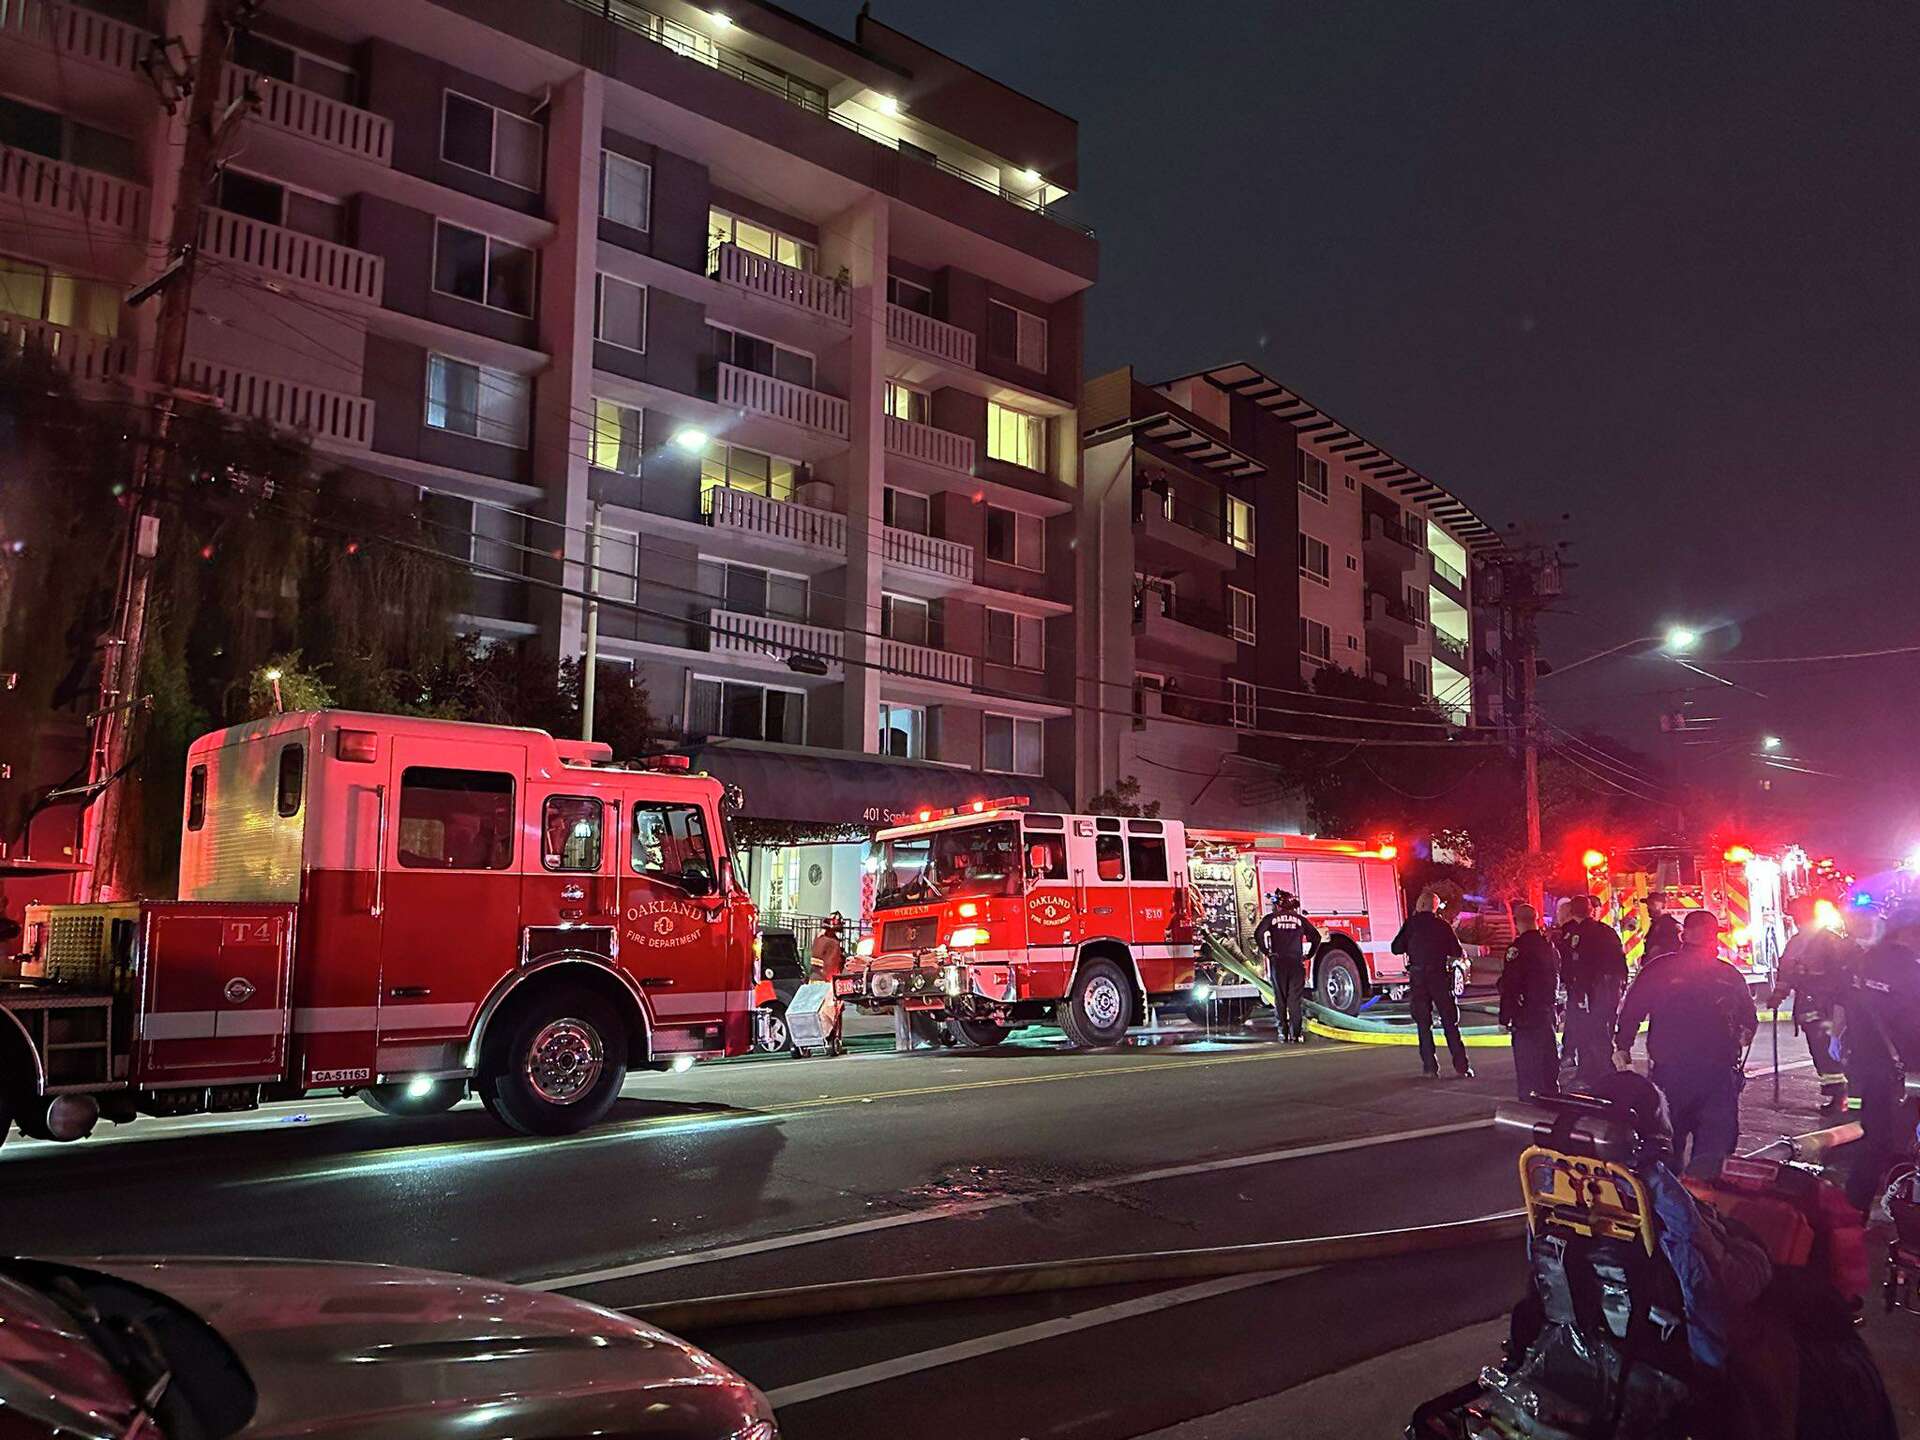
column 976, row 807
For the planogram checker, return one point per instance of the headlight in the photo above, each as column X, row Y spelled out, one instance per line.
column 967, row 937
column 865, row 947
column 886, row 985
column 1202, row 991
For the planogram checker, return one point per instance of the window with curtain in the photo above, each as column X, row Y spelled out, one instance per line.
column 1016, row 437
column 617, row 437
column 626, row 191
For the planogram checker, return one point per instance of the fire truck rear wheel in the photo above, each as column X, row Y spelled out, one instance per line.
column 975, row 1034
column 562, row 1065
column 1341, row 986
column 1100, row 1007
column 394, row 1099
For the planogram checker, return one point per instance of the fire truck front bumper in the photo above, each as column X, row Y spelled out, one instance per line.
column 927, row 980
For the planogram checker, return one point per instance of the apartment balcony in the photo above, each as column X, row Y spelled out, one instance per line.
column 938, row 565
column 1450, row 580
column 1165, row 524
column 1449, row 651
column 305, row 259
column 1388, row 542
column 902, row 658
column 935, row 339
column 75, row 33
column 1393, row 618
column 929, row 445
column 86, row 201
column 755, row 394
column 310, row 116
column 785, row 284
column 791, row 535
column 767, row 641
column 90, row 359
column 329, row 418
column 1170, row 627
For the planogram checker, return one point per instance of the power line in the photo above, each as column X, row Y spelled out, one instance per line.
column 1816, row 659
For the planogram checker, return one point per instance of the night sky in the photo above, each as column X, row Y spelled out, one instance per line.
column 1650, row 266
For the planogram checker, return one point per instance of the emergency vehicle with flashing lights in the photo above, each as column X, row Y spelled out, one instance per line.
column 1747, row 889
column 402, row 909
column 1002, row 917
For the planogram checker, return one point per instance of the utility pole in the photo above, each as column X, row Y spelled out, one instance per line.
column 590, row 662
column 1527, row 580
column 125, row 647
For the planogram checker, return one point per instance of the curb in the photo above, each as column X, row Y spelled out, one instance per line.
column 844, row 1297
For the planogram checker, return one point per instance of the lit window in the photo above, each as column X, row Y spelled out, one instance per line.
column 1012, row 745
column 905, row 403
column 626, row 191
column 734, row 467
column 1240, row 618
column 617, row 437
column 1315, row 559
column 903, row 731
column 478, row 400
column 478, row 136
column 756, row 239
column 1241, row 694
column 1316, row 640
column 1016, row 538
column 470, row 266
column 1017, row 640
column 1240, row 524
column 36, row 293
column 1016, row 437
column 620, row 316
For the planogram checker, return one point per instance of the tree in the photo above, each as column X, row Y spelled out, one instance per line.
column 1123, row 798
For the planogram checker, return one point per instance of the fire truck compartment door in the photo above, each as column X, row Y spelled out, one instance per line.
column 1331, row 887
column 213, row 999
column 1274, row 875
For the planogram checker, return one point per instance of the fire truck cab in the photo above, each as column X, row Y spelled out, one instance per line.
column 401, row 909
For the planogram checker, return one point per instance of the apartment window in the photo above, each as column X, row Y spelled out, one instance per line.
column 477, row 136
column 494, row 537
column 1313, row 476
column 1017, row 336
column 1240, row 694
column 1315, row 559
column 1349, row 480
column 1012, row 745
column 282, row 62
column 470, row 266
column 905, row 403
column 1420, row 677
column 756, row 239
column 903, row 731
column 905, row 510
column 36, row 293
column 617, row 437
column 48, row 133
column 762, row 356
column 1017, row 640
column 1240, row 524
column 1352, row 563
column 619, row 564
column 1016, row 437
column 626, row 191
column 1417, row 605
column 271, row 203
column 743, row 711
column 1016, row 538
column 734, row 467
column 910, row 620
column 1145, row 684
column 1240, row 614
column 1416, row 529
column 620, row 313
column 909, row 296
column 1353, row 642
column 478, row 400
column 774, row 594
column 1316, row 640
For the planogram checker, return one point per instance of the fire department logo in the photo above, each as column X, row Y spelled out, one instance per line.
column 663, row 926
column 1046, row 908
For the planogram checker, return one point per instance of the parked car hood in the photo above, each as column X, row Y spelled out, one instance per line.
column 362, row 1350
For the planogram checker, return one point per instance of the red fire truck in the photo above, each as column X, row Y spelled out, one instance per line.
column 1002, row 917
column 400, row 909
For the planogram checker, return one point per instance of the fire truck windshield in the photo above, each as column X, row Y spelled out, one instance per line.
column 975, row 860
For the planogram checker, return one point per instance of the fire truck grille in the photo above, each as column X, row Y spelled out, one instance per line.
column 921, row 934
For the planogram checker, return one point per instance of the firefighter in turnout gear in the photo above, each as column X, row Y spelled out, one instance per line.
column 1817, row 968
column 1594, row 967
column 1431, row 947
column 1287, row 940
column 1882, row 1046
column 1700, row 1019
column 1528, row 982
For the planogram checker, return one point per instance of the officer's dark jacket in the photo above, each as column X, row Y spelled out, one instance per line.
column 1591, row 952
column 1697, row 1008
column 1663, row 935
column 1883, row 1010
column 1528, row 982
column 1428, row 942
column 1285, row 935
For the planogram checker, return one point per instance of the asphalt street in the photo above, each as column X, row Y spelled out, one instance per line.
column 783, row 1172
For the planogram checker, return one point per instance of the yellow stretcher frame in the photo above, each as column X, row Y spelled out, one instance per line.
column 1601, row 1199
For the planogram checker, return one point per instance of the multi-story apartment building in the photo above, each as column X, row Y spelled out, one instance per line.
column 793, row 311
column 1261, row 540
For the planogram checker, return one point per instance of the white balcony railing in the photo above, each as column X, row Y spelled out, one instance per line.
column 330, row 416
column 946, row 558
column 312, row 116
column 88, row 199
column 783, row 400
column 77, row 32
column 913, row 331
column 800, row 525
column 816, row 294
column 929, row 444
column 764, row 637
column 83, row 355
column 923, row 662
column 279, row 251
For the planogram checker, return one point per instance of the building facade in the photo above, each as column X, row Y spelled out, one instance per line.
column 791, row 314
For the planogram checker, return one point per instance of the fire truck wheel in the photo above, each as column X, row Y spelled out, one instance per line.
column 1341, row 986
column 394, row 1099
column 975, row 1034
column 562, row 1066
column 770, row 1033
column 1100, row 1007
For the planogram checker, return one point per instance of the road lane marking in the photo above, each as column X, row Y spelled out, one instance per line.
column 997, row 1202
column 802, row 1391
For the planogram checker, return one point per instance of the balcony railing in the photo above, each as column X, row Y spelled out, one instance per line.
column 929, row 444
column 1385, row 607
column 326, row 415
column 82, row 354
column 782, row 399
column 88, row 198
column 923, row 662
column 1450, row 650
column 1379, row 527
column 730, row 632
column 799, row 93
column 757, row 275
column 1149, row 501
column 931, row 556
column 729, row 509
column 312, row 116
column 1447, row 573
column 307, row 259
column 76, row 31
column 911, row 330
column 1157, row 605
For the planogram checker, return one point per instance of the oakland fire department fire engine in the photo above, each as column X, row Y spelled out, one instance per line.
column 1002, row 917
column 400, row 909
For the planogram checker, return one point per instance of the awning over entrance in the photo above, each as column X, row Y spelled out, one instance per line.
column 796, row 795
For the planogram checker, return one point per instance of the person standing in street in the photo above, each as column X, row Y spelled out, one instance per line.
column 1594, row 966
column 1528, row 986
column 1431, row 947
column 826, row 959
column 1663, row 930
column 1882, row 1045
column 1817, row 968
column 1286, row 939
column 1700, row 1020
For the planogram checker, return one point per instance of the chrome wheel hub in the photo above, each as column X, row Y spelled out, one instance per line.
column 773, row 1031
column 1339, row 987
column 1104, row 1002
column 564, row 1061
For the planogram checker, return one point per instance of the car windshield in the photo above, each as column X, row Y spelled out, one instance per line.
column 973, row 860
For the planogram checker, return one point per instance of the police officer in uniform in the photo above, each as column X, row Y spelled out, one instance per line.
column 1663, row 930
column 1431, row 947
column 1286, row 938
column 1700, row 1020
column 1594, row 966
column 1882, row 1047
column 1817, row 968
column 1527, row 992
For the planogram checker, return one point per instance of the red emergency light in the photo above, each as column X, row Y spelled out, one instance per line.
column 669, row 762
column 358, row 746
column 1738, row 855
column 1594, row 859
column 973, row 807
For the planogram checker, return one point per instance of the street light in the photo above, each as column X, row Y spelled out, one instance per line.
column 1680, row 638
column 1676, row 639
column 1770, row 742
